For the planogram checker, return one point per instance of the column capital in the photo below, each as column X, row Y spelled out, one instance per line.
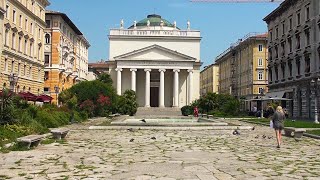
column 190, row 70
column 162, row 70
column 147, row 70
column 133, row 69
column 119, row 69
column 176, row 70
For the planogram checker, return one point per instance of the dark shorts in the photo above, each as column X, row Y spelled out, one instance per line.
column 278, row 125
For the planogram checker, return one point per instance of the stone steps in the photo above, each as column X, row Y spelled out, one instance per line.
column 156, row 111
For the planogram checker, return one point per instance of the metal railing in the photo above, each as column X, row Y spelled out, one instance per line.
column 147, row 32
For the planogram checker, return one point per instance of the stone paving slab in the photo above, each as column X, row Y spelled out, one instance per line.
column 170, row 155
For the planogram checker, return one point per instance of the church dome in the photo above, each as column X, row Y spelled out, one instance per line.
column 155, row 20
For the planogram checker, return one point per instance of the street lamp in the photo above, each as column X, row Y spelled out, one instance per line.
column 262, row 94
column 13, row 79
column 314, row 84
column 56, row 90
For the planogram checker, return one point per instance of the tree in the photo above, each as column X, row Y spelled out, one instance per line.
column 6, row 107
column 105, row 78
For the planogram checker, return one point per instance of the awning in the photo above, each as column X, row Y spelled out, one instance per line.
column 278, row 94
column 44, row 98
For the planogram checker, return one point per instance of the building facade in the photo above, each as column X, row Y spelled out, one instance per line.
column 243, row 68
column 22, row 51
column 157, row 60
column 2, row 12
column 66, row 54
column 209, row 79
column 294, row 50
column 97, row 68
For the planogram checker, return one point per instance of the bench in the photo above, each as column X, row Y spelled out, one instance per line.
column 294, row 132
column 210, row 116
column 59, row 133
column 30, row 141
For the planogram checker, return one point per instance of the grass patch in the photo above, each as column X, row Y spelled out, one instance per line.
column 288, row 123
column 48, row 141
column 314, row 132
column 4, row 177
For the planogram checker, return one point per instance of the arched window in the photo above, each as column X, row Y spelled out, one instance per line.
column 24, row 89
column 18, row 88
column 29, row 89
column 48, row 38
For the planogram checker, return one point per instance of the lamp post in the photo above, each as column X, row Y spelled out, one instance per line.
column 56, row 90
column 262, row 94
column 13, row 79
column 314, row 84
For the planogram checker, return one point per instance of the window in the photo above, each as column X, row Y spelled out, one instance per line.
column 277, row 51
column 283, row 69
column 46, row 89
column 261, row 90
column 283, row 28
column 290, row 44
column 12, row 66
column 283, row 49
column 31, row 27
column 277, row 33
column 5, row 65
column 20, row 20
column 276, row 72
column 39, row 52
column 26, row 25
column 298, row 66
column 14, row 16
column 7, row 10
column 307, row 63
column 260, row 47
column 31, row 49
column 290, row 68
column 39, row 34
column 25, row 46
column 39, row 74
column 20, row 43
column 260, row 62
column 6, row 37
column 46, row 76
column 307, row 33
column 308, row 13
column 298, row 19
column 270, row 74
column 298, row 41
column 290, row 23
column 19, row 69
column 47, row 37
column 30, row 72
column 13, row 40
column 260, row 75
column 48, row 24
column 24, row 70
column 46, row 60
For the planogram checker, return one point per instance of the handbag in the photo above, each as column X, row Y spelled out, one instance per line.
column 271, row 124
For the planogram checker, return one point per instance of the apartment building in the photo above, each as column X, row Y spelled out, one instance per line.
column 209, row 79
column 66, row 54
column 22, row 59
column 243, row 67
column 294, row 50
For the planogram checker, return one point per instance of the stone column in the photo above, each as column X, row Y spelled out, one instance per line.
column 133, row 79
column 161, row 89
column 119, row 81
column 190, row 77
column 176, row 88
column 147, row 91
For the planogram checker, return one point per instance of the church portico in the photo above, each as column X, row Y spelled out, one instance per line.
column 161, row 74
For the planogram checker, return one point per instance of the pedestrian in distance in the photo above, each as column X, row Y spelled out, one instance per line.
column 278, row 124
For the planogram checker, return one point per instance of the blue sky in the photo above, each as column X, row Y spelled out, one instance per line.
column 220, row 23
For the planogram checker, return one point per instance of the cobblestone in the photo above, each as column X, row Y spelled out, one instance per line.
column 205, row 154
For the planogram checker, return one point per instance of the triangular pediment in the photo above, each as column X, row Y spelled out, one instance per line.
column 154, row 52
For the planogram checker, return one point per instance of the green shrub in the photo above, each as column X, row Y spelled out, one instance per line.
column 7, row 114
column 127, row 103
column 187, row 110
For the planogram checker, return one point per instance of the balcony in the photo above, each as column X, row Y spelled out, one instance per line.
column 62, row 67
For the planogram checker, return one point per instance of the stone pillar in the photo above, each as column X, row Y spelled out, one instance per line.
column 119, row 81
column 147, row 91
column 161, row 89
column 190, row 77
column 133, row 79
column 176, row 88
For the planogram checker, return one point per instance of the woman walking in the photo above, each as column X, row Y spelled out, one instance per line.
column 278, row 123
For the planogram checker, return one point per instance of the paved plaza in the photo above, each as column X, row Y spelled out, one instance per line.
column 166, row 155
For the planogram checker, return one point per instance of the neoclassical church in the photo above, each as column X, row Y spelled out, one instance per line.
column 158, row 60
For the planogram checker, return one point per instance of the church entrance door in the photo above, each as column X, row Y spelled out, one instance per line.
column 154, row 96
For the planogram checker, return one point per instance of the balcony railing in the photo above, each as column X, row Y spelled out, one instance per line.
column 135, row 32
